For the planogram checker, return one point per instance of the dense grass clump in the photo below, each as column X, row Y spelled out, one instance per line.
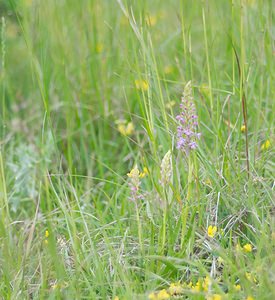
column 137, row 149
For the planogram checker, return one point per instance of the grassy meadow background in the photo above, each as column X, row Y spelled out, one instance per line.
column 89, row 90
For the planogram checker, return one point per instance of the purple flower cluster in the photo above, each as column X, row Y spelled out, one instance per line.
column 135, row 195
column 187, row 135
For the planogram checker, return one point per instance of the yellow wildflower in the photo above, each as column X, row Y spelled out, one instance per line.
column 151, row 20
column 125, row 129
column 152, row 296
column 214, row 297
column 47, row 234
column 99, row 48
column 249, row 298
column 145, row 170
column 189, row 285
column 250, row 277
column 134, row 173
column 161, row 295
column 175, row 288
column 142, row 84
column 211, row 231
column 266, row 145
column 197, row 287
column 144, row 173
column 243, row 128
column 247, row 248
column 122, row 128
column 116, row 298
column 130, row 128
column 237, row 287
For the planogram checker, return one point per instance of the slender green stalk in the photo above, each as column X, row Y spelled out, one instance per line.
column 139, row 229
column 3, row 79
column 4, row 205
column 189, row 201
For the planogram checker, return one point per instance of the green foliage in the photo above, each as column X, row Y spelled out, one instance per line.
column 89, row 90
